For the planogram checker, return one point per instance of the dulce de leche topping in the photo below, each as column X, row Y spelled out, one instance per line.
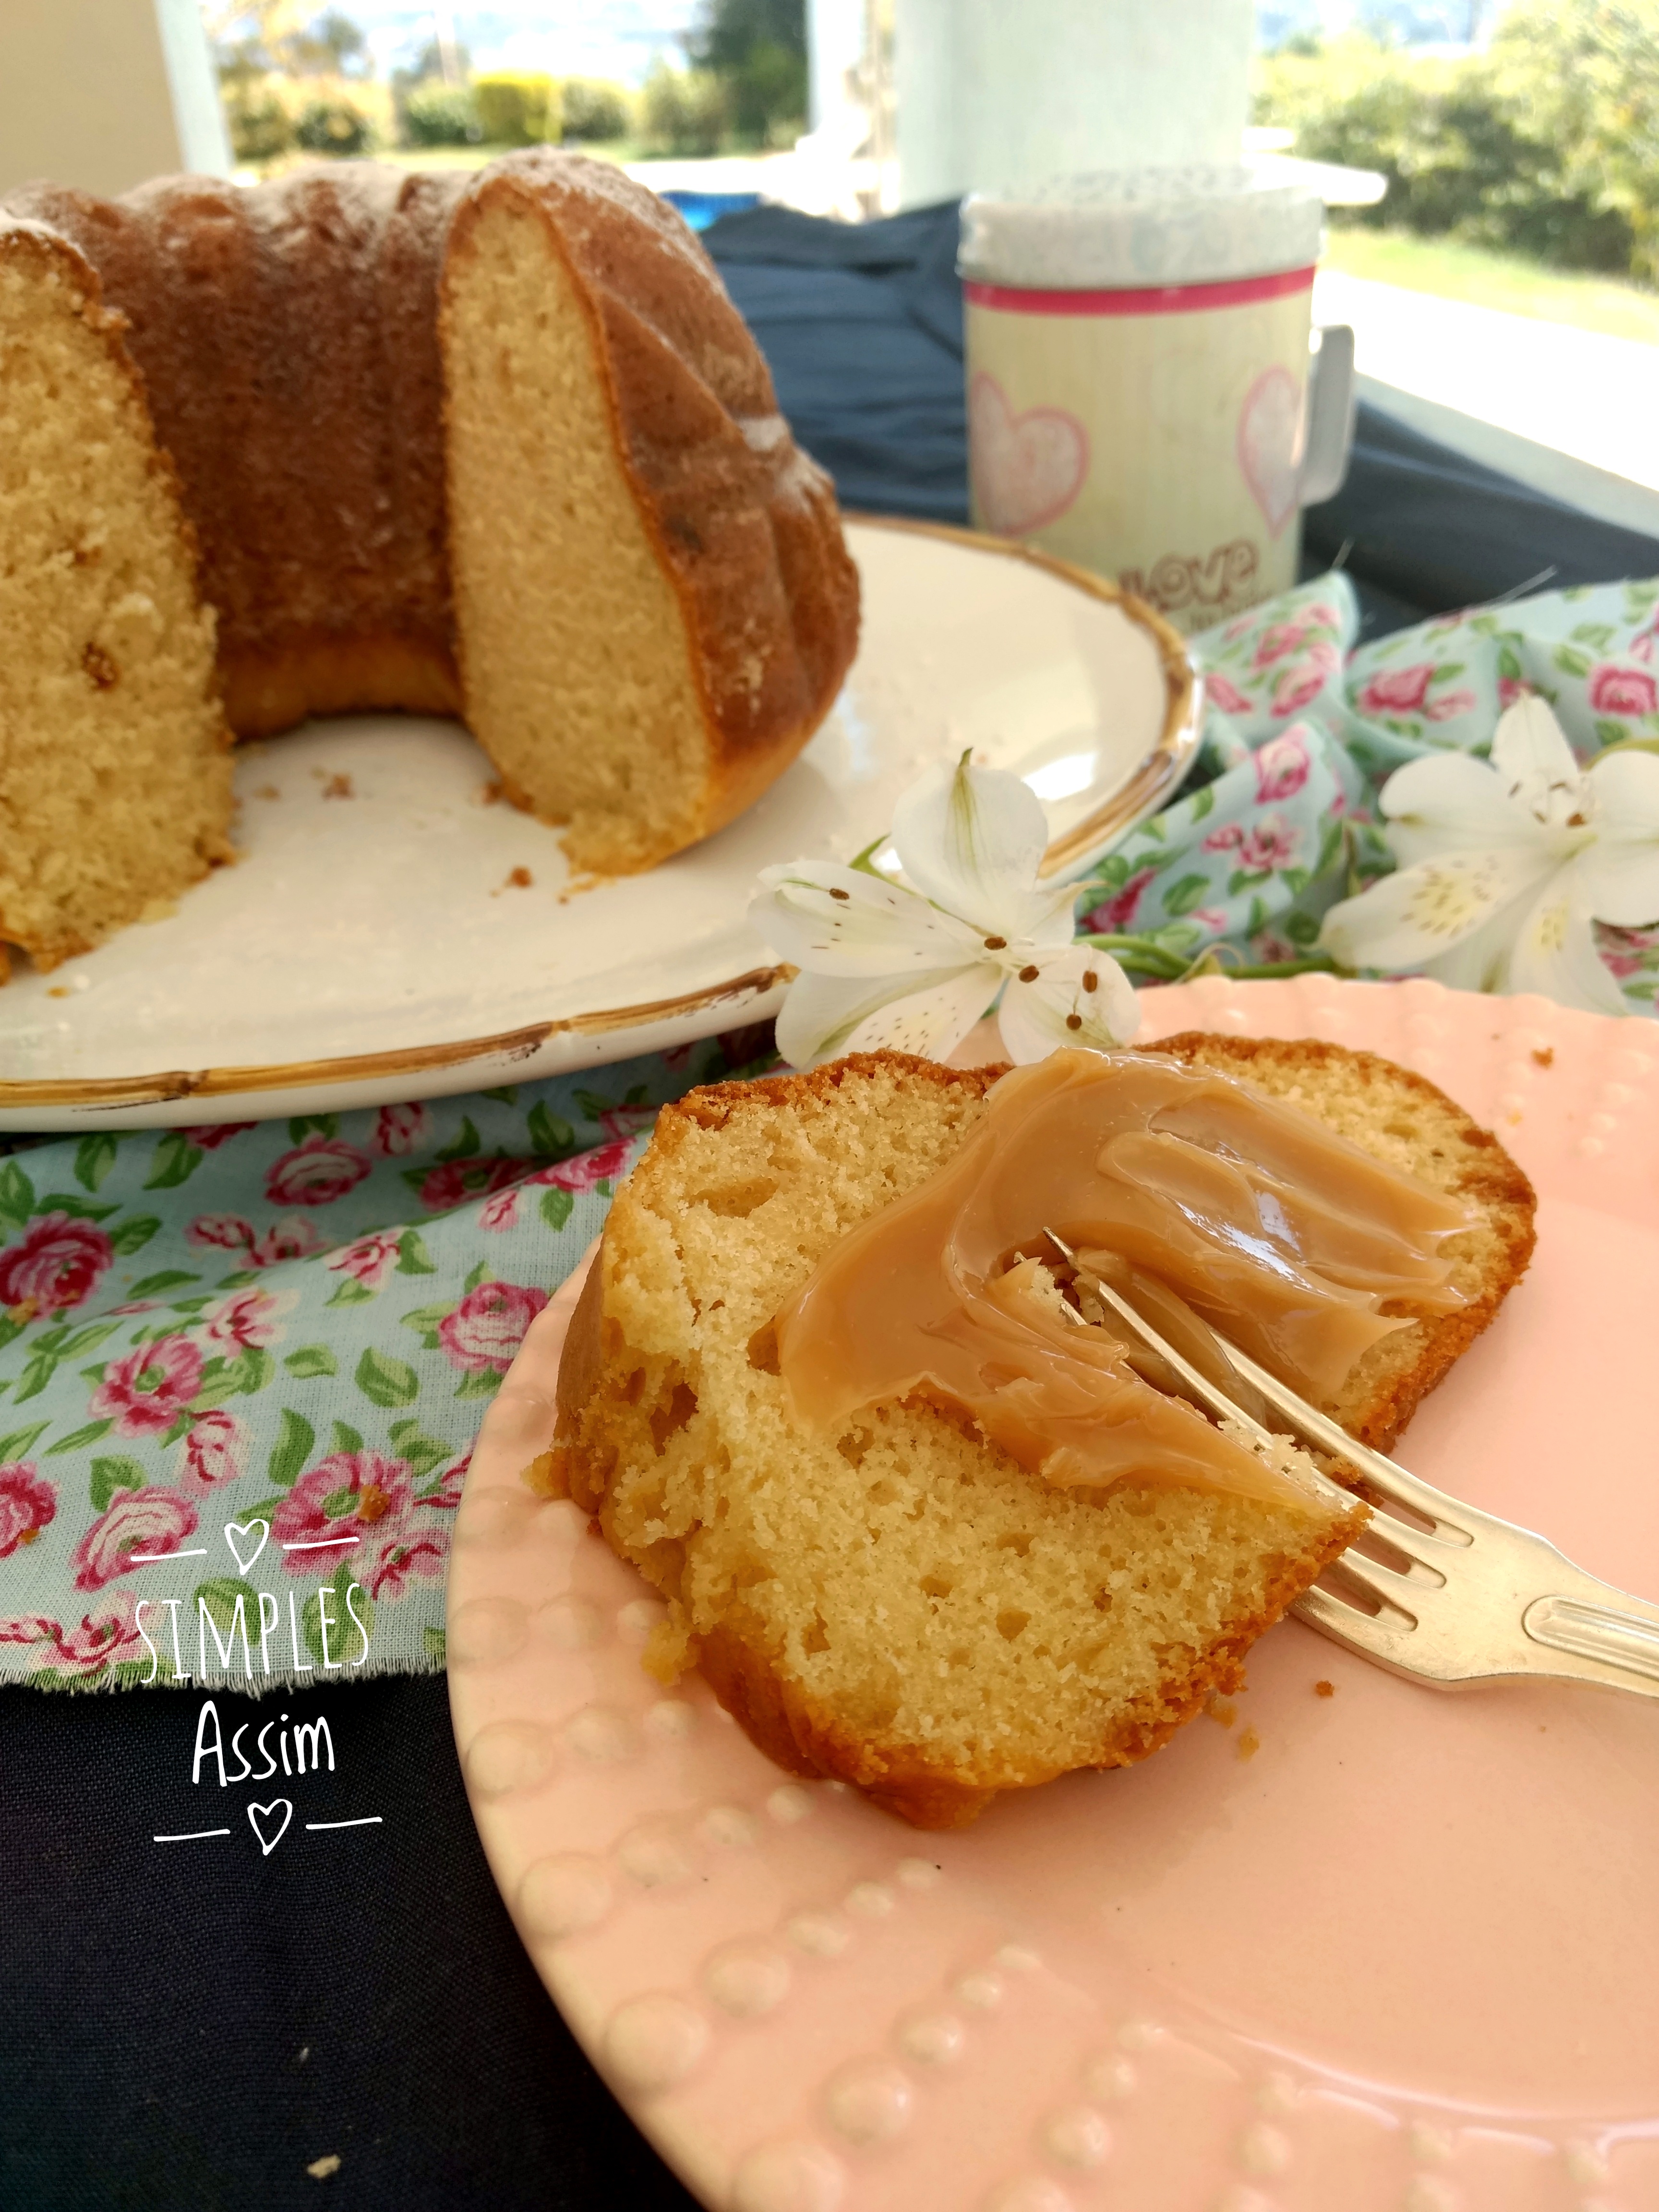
column 1284, row 1236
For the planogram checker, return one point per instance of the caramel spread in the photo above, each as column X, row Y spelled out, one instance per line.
column 1200, row 1196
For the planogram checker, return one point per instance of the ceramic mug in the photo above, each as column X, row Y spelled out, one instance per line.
column 1142, row 398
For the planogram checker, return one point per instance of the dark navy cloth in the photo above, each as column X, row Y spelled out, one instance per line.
column 194, row 2025
column 862, row 324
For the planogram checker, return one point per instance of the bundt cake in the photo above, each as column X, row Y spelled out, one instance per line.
column 494, row 445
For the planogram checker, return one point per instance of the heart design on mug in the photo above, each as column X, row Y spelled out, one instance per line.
column 235, row 1529
column 1269, row 441
column 258, row 1813
column 1027, row 469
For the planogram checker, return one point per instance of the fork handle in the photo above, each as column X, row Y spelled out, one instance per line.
column 1578, row 1629
column 1604, row 1633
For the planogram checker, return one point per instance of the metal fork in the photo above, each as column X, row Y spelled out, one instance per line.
column 1436, row 1589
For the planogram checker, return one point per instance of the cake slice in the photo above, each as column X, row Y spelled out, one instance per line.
column 653, row 605
column 114, row 773
column 902, row 1605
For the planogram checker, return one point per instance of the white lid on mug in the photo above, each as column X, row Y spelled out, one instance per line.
column 1126, row 230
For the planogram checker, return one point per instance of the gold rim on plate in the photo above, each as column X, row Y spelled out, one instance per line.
column 1157, row 774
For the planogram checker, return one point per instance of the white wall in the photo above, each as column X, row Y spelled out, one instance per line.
column 102, row 94
column 835, row 45
column 998, row 94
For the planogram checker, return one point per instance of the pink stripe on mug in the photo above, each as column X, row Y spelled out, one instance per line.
column 1158, row 299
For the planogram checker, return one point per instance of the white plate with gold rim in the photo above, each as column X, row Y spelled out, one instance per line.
column 388, row 935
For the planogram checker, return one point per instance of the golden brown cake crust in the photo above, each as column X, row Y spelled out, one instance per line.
column 744, row 523
column 288, row 337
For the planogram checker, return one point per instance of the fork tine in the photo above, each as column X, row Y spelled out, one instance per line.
column 1207, row 1392
column 1413, row 1543
column 1390, row 1480
column 1385, row 1584
column 1377, row 1635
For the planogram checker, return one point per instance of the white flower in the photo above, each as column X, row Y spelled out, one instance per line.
column 914, row 969
column 1503, row 867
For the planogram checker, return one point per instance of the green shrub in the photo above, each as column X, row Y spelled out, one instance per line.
column 440, row 115
column 259, row 128
column 768, row 94
column 759, row 47
column 1510, row 148
column 1586, row 75
column 686, row 111
column 333, row 126
column 517, row 108
column 594, row 112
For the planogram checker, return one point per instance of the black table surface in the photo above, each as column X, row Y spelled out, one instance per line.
column 179, row 2029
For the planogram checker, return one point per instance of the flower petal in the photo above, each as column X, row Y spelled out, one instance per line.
column 1626, row 785
column 1481, row 961
column 820, row 1013
column 1079, row 997
column 1536, row 763
column 930, row 1023
column 1419, row 913
column 970, row 839
column 832, row 920
column 1554, row 953
column 1618, row 879
column 1448, row 803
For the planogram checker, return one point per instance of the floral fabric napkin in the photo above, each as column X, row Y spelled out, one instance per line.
column 1302, row 729
column 241, row 1366
column 294, row 1323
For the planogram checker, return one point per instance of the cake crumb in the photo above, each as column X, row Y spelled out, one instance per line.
column 339, row 786
column 320, row 2169
column 1544, row 1056
column 1249, row 1744
column 59, row 991
column 267, row 791
column 520, row 879
column 1218, row 1709
column 489, row 794
column 1324, row 1689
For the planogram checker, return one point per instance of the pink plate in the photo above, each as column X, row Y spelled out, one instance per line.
column 1384, row 1951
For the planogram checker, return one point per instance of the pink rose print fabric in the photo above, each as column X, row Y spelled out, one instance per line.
column 26, row 1504
column 56, row 1264
column 247, row 1362
column 1301, row 731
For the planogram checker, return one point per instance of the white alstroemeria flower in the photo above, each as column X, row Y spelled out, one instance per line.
column 914, row 969
column 1503, row 867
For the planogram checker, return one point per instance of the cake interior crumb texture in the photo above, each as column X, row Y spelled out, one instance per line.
column 496, row 444
column 114, row 772
column 577, row 666
column 903, row 1605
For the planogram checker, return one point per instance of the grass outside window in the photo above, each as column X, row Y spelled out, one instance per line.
column 1506, row 281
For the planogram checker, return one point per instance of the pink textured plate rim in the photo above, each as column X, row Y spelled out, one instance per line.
column 1384, row 1950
